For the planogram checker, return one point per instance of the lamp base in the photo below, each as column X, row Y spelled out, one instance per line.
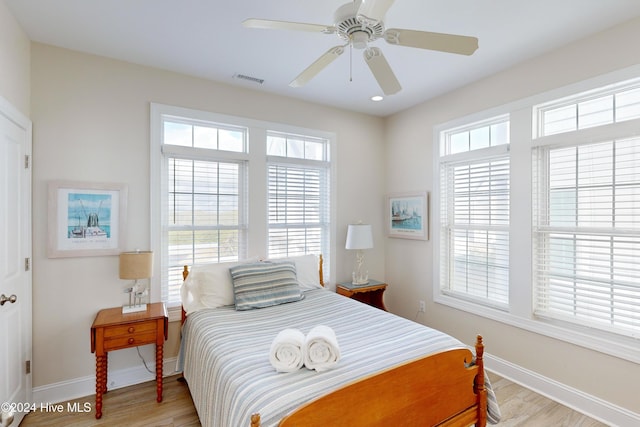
column 357, row 278
column 133, row 308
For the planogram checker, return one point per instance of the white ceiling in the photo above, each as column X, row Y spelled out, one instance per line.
column 205, row 38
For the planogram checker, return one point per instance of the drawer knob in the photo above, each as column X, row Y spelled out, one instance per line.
column 130, row 341
column 131, row 329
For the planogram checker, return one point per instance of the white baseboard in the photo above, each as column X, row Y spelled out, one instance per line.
column 86, row 386
column 577, row 400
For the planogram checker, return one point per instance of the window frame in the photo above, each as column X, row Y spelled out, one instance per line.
column 524, row 135
column 544, row 232
column 446, row 162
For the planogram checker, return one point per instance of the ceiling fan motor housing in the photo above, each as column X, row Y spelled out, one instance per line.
column 351, row 29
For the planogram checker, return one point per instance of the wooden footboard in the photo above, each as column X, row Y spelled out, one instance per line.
column 437, row 390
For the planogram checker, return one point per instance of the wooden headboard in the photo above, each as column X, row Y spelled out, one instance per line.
column 185, row 273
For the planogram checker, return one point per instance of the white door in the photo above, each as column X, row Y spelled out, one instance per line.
column 15, row 264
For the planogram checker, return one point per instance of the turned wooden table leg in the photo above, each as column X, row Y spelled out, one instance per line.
column 106, row 372
column 159, row 351
column 101, row 382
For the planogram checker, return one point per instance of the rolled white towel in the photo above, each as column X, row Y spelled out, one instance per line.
column 286, row 353
column 321, row 350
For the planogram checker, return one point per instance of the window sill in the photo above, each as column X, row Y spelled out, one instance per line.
column 592, row 339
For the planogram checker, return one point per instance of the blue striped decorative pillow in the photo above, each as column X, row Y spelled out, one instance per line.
column 263, row 284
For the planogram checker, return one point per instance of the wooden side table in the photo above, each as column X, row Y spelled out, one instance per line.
column 371, row 293
column 113, row 330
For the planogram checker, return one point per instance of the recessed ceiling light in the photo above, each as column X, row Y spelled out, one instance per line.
column 377, row 98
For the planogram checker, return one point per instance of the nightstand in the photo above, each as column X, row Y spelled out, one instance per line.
column 371, row 293
column 113, row 330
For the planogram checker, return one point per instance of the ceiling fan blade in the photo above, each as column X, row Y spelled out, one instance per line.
column 381, row 71
column 373, row 11
column 320, row 64
column 451, row 43
column 268, row 24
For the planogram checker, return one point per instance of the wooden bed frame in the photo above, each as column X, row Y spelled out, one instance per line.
column 441, row 389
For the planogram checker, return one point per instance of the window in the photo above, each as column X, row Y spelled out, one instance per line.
column 298, row 195
column 215, row 177
column 204, row 212
column 591, row 109
column 539, row 214
column 587, row 234
column 474, row 214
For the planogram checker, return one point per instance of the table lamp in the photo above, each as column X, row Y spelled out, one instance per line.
column 359, row 237
column 136, row 266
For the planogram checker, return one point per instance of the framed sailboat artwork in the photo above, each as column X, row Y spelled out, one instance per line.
column 86, row 219
column 407, row 215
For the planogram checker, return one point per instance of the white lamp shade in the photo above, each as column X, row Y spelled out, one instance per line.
column 359, row 236
column 136, row 265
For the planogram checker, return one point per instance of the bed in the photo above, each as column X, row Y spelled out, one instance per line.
column 391, row 372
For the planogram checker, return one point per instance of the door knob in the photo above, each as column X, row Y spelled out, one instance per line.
column 4, row 298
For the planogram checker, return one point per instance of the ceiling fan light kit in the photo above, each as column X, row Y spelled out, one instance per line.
column 359, row 39
column 358, row 24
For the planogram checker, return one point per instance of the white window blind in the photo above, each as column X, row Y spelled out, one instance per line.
column 587, row 234
column 298, row 195
column 474, row 212
column 475, row 229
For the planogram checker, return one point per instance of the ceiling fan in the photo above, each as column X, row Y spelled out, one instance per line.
column 360, row 23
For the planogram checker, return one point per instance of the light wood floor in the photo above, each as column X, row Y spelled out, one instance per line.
column 523, row 408
column 133, row 406
column 136, row 406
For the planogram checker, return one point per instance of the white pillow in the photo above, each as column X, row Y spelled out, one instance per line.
column 208, row 286
column 307, row 267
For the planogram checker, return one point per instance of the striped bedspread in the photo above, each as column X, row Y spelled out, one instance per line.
column 225, row 355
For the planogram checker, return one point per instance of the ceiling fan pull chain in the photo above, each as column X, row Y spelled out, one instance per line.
column 350, row 62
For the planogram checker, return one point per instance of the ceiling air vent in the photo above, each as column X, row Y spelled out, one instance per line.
column 248, row 78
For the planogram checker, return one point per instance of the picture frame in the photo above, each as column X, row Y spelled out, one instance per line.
column 407, row 215
column 86, row 219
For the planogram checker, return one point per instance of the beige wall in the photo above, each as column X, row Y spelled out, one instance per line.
column 91, row 123
column 15, row 61
column 409, row 263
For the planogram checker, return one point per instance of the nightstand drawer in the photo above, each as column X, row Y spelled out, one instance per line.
column 131, row 329
column 129, row 340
